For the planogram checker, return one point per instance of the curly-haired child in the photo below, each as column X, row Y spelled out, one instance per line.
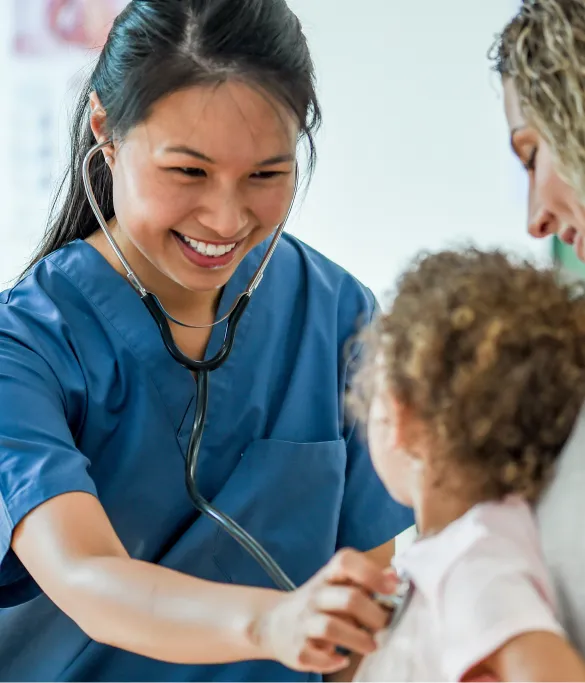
column 471, row 386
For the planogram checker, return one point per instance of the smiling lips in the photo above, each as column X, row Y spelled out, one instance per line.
column 207, row 249
column 206, row 254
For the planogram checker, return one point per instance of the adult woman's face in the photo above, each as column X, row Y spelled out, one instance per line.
column 205, row 179
column 553, row 206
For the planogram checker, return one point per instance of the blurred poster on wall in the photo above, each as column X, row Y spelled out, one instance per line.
column 47, row 27
column 54, row 44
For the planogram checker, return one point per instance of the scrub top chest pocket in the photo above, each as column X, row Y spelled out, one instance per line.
column 288, row 496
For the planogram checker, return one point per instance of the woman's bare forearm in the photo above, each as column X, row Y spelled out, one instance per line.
column 162, row 614
column 71, row 550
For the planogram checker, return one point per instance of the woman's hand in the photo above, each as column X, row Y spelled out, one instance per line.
column 334, row 609
column 71, row 550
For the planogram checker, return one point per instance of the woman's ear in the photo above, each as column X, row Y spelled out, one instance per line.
column 99, row 127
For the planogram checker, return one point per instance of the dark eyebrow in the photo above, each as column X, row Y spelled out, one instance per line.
column 279, row 159
column 181, row 149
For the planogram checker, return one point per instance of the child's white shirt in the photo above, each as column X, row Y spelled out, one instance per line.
column 477, row 584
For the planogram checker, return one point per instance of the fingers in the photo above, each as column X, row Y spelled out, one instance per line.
column 353, row 602
column 391, row 576
column 331, row 629
column 337, row 609
column 322, row 659
column 387, row 599
column 349, row 566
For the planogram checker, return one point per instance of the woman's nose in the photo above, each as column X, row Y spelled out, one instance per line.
column 543, row 224
column 223, row 213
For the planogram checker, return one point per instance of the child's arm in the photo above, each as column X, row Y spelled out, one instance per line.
column 537, row 656
column 495, row 619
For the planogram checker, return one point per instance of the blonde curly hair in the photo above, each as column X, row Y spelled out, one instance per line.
column 490, row 354
column 542, row 49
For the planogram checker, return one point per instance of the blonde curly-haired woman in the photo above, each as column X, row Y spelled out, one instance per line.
column 540, row 56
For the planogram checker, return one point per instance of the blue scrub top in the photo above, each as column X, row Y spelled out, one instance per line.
column 91, row 401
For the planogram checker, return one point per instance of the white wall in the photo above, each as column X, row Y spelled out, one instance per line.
column 36, row 103
column 413, row 153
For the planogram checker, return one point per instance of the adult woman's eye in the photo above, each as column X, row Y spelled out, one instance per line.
column 191, row 172
column 266, row 175
column 530, row 165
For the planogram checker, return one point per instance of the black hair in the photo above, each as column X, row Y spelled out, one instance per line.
column 157, row 47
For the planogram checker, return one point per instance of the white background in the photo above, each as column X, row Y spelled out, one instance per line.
column 413, row 153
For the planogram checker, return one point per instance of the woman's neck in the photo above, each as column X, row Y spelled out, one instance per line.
column 183, row 304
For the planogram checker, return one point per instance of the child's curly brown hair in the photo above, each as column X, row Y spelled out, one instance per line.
column 490, row 354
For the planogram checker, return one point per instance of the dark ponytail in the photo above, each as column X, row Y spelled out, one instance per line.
column 157, row 47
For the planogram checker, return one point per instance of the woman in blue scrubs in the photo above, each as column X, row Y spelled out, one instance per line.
column 106, row 570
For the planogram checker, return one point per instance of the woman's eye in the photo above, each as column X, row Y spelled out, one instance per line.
column 265, row 175
column 192, row 172
column 530, row 165
column 200, row 173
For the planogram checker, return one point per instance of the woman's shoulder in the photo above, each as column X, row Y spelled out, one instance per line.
column 43, row 284
column 560, row 517
column 40, row 308
column 326, row 282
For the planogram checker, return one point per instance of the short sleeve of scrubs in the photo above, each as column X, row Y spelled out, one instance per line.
column 38, row 457
column 369, row 516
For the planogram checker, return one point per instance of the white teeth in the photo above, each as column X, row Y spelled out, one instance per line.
column 208, row 249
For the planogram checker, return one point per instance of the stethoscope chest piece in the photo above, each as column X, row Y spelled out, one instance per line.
column 398, row 602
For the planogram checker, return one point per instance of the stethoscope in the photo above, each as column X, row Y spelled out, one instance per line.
column 396, row 603
column 201, row 370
